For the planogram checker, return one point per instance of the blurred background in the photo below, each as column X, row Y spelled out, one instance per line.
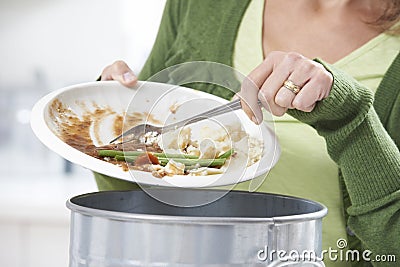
column 46, row 45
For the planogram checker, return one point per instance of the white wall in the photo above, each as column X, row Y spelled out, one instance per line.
column 48, row 44
column 70, row 41
column 45, row 45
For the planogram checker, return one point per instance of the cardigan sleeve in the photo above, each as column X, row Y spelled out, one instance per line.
column 167, row 32
column 368, row 159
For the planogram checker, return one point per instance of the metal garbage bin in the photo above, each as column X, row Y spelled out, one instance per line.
column 131, row 228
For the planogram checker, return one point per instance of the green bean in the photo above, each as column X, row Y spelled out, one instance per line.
column 191, row 162
column 133, row 158
column 126, row 158
column 187, row 160
column 114, row 153
column 175, row 156
column 226, row 154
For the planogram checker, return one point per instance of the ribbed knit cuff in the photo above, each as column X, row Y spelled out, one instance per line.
column 356, row 141
column 370, row 166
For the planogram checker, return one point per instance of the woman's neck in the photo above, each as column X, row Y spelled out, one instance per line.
column 329, row 30
column 366, row 10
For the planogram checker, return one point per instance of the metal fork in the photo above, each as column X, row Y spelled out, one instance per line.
column 141, row 129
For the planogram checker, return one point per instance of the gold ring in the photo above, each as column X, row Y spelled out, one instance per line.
column 288, row 84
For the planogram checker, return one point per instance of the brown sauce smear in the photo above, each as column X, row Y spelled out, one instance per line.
column 74, row 130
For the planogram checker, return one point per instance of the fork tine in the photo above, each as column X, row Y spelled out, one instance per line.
column 129, row 131
column 123, row 141
column 116, row 138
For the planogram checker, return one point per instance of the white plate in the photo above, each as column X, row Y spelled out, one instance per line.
column 157, row 99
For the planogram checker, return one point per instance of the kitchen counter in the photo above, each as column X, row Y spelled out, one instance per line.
column 34, row 221
column 42, row 198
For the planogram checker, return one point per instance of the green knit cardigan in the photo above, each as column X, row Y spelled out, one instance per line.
column 362, row 131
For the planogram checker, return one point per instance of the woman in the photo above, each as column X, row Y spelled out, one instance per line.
column 349, row 159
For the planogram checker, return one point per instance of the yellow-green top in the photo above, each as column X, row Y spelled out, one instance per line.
column 305, row 168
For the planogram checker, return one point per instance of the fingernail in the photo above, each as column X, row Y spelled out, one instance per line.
column 128, row 77
column 254, row 119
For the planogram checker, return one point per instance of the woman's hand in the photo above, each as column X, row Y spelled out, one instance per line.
column 119, row 71
column 284, row 81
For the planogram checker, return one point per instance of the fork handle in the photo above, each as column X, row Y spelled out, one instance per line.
column 231, row 106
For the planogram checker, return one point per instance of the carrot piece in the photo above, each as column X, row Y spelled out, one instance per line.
column 146, row 158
